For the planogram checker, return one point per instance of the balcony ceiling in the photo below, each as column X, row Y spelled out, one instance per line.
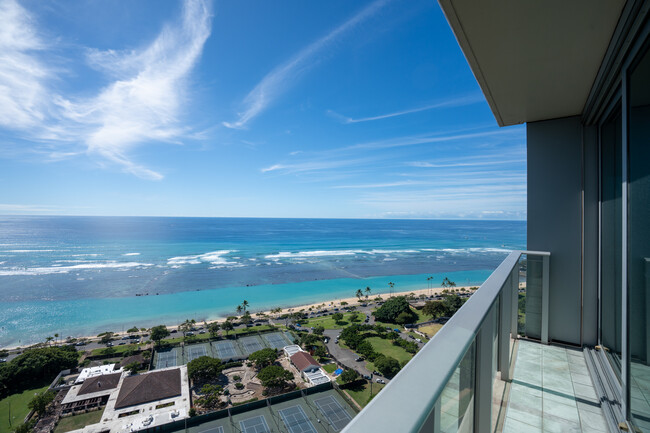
column 534, row 60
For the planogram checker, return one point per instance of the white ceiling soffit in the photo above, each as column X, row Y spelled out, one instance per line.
column 534, row 59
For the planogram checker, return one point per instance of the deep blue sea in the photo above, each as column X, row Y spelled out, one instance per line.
column 81, row 275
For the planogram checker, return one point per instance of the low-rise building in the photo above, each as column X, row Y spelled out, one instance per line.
column 308, row 367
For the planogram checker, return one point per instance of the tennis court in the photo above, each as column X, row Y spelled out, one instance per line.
column 194, row 351
column 296, row 420
column 227, row 350
column 275, row 340
column 333, row 411
column 256, row 424
column 167, row 358
column 250, row 344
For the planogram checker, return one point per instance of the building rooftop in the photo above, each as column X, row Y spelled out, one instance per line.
column 148, row 387
column 100, row 383
column 303, row 360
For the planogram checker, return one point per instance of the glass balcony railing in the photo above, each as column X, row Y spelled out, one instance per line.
column 448, row 386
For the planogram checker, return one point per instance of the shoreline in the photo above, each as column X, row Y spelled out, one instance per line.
column 352, row 301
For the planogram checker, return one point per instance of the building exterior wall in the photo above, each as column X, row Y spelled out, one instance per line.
column 555, row 169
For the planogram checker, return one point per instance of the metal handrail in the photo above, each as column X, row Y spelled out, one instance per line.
column 407, row 402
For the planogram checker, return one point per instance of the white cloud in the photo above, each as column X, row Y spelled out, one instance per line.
column 23, row 77
column 141, row 103
column 455, row 102
column 276, row 81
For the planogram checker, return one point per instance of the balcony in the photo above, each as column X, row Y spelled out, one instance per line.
column 490, row 368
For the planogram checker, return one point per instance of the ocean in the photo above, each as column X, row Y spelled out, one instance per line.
column 83, row 275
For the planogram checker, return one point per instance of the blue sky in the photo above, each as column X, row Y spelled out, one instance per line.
column 331, row 109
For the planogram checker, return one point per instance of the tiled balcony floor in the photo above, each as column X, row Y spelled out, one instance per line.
column 552, row 392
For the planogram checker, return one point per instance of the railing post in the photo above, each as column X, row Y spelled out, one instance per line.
column 545, row 296
column 484, row 376
column 514, row 313
column 505, row 323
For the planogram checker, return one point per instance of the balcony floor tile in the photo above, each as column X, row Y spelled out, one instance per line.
column 552, row 392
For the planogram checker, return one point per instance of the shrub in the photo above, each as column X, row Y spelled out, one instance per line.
column 239, row 385
column 274, row 375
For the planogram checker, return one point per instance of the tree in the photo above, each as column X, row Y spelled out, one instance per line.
column 48, row 340
column 349, row 375
column 132, row 330
column 246, row 318
column 204, row 367
column 452, row 303
column 40, row 402
column 392, row 308
column 434, row 309
column 387, row 365
column 210, row 396
column 338, row 317
column 34, row 366
column 320, row 352
column 106, row 338
column 239, row 309
column 318, row 330
column 227, row 326
column 392, row 286
column 263, row 358
column 367, row 292
column 404, row 318
column 186, row 326
column 245, row 305
column 132, row 367
column 359, row 294
column 213, row 329
column 274, row 376
column 158, row 333
column 447, row 283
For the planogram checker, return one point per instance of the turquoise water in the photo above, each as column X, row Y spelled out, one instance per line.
column 92, row 316
column 80, row 275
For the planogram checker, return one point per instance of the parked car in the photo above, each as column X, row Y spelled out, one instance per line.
column 381, row 381
column 122, row 343
column 80, row 343
column 173, row 331
column 189, row 334
column 359, row 359
column 201, row 331
column 365, row 376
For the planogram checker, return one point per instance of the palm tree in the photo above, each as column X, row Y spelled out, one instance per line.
column 56, row 336
column 392, row 286
column 48, row 340
column 367, row 292
column 245, row 304
column 359, row 294
column 239, row 309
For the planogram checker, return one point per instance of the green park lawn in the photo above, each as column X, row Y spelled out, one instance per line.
column 78, row 421
column 430, row 329
column 117, row 350
column 330, row 368
column 17, row 405
column 361, row 393
column 385, row 347
column 328, row 323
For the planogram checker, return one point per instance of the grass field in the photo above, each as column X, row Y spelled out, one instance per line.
column 118, row 350
column 361, row 393
column 431, row 329
column 18, row 404
column 328, row 323
column 78, row 421
column 330, row 368
column 385, row 347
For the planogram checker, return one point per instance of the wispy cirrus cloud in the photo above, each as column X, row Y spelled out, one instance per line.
column 454, row 102
column 280, row 78
column 140, row 104
column 23, row 76
column 315, row 165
